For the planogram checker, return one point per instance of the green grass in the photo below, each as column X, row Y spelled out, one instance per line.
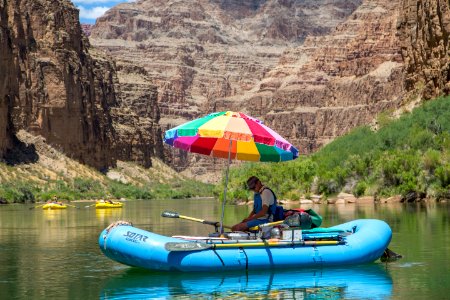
column 28, row 191
column 409, row 154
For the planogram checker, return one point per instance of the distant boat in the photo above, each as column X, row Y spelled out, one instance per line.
column 53, row 205
column 106, row 204
column 355, row 242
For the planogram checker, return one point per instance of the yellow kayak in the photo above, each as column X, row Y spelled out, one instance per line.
column 108, row 205
column 54, row 206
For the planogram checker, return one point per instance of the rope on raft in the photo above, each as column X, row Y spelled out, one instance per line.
column 113, row 225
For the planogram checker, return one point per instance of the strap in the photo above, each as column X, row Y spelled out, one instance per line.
column 275, row 203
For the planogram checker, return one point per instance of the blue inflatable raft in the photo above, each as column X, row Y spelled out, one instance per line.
column 355, row 242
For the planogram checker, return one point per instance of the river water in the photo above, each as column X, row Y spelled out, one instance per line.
column 55, row 255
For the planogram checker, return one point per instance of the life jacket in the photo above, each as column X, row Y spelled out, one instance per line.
column 257, row 203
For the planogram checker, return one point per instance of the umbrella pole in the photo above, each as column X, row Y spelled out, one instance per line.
column 226, row 186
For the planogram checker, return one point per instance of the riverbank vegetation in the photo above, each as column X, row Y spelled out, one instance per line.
column 30, row 183
column 406, row 155
column 403, row 156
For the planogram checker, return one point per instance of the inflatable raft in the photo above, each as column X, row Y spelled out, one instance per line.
column 51, row 206
column 355, row 242
column 108, row 205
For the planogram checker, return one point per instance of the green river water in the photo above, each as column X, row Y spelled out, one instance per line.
column 55, row 255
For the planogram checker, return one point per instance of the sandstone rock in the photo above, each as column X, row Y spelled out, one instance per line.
column 331, row 201
column 393, row 199
column 332, row 83
column 6, row 83
column 340, row 201
column 365, row 200
column 198, row 52
column 306, row 201
column 424, row 27
column 319, row 79
column 54, row 86
column 316, row 199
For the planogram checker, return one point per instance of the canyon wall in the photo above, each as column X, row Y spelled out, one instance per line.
column 424, row 28
column 332, row 83
column 64, row 91
column 196, row 52
column 56, row 87
column 6, row 132
column 54, row 84
column 311, row 69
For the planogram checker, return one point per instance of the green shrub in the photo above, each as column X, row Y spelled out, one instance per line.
column 18, row 192
column 360, row 189
column 408, row 154
column 431, row 160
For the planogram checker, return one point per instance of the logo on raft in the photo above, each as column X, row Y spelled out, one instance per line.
column 135, row 237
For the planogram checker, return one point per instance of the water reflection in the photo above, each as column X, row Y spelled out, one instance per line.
column 108, row 215
column 363, row 282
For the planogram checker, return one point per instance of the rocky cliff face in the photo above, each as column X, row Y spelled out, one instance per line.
column 424, row 26
column 332, row 83
column 6, row 56
column 54, row 86
column 136, row 118
column 312, row 70
column 197, row 52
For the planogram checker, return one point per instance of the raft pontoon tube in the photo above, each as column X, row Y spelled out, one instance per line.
column 364, row 241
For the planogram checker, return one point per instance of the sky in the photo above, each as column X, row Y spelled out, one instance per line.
column 92, row 9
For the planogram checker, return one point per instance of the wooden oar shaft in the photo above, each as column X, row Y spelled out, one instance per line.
column 201, row 221
column 192, row 219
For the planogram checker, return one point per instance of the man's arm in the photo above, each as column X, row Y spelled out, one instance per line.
column 261, row 213
column 249, row 216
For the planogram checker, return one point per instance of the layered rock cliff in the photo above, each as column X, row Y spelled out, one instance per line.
column 424, row 28
column 55, row 87
column 330, row 84
column 54, row 84
column 136, row 118
column 310, row 69
column 6, row 130
column 196, row 52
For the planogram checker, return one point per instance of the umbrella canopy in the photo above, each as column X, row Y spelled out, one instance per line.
column 231, row 135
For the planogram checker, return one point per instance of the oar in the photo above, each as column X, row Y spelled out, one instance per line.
column 287, row 222
column 389, row 255
column 90, row 205
column 171, row 214
column 196, row 246
column 257, row 227
column 33, row 207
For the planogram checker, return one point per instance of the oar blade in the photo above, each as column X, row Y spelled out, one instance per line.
column 170, row 214
column 186, row 246
column 390, row 256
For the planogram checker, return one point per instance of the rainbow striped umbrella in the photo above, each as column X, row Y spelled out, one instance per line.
column 231, row 135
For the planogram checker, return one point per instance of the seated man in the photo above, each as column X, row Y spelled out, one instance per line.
column 263, row 205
